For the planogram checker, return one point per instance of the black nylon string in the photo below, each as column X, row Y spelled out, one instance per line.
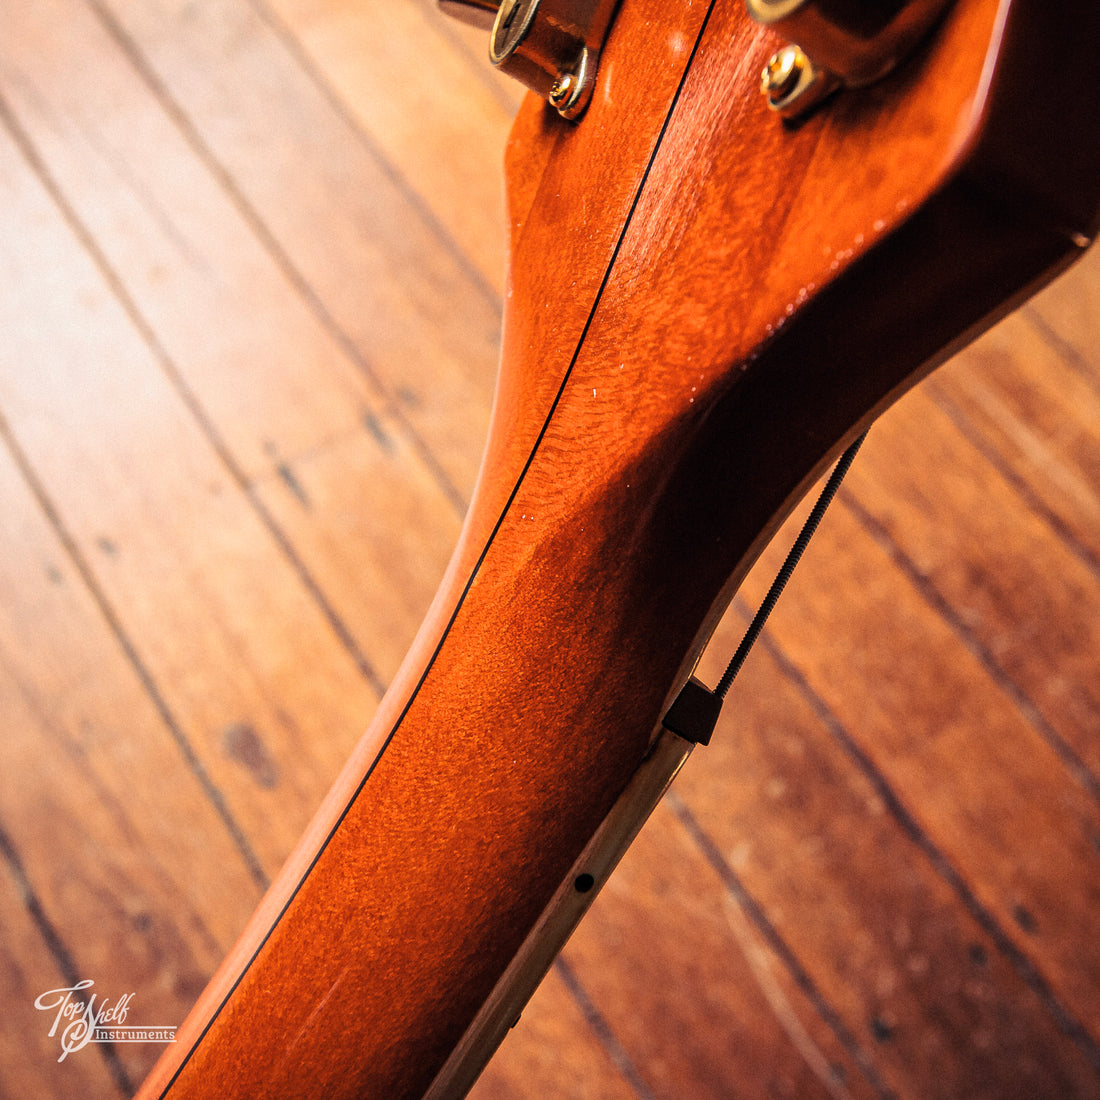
column 784, row 575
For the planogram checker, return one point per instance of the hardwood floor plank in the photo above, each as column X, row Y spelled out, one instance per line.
column 862, row 902
column 959, row 755
column 117, row 838
column 219, row 617
column 469, row 43
column 552, row 1051
column 718, row 1004
column 445, row 104
column 1030, row 611
column 371, row 527
column 1037, row 419
column 1069, row 311
column 263, row 377
column 268, row 378
column 349, row 236
column 29, row 1065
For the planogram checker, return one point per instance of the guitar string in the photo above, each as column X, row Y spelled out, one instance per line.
column 694, row 712
column 792, row 560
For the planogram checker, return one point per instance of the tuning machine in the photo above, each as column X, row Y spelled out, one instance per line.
column 848, row 43
column 551, row 46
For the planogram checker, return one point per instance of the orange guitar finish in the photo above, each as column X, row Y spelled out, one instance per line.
column 704, row 306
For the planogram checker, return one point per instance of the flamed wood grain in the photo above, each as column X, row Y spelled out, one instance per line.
column 539, row 203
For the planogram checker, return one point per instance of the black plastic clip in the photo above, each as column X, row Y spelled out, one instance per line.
column 694, row 713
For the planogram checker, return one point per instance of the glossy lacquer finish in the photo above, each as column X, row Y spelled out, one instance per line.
column 703, row 307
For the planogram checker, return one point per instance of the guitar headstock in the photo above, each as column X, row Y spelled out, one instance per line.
column 687, row 267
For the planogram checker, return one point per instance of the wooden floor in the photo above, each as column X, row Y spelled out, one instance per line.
column 250, row 275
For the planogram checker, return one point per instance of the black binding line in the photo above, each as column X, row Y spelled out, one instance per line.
column 596, row 304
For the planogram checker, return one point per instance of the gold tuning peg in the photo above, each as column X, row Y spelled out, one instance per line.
column 850, row 44
column 552, row 46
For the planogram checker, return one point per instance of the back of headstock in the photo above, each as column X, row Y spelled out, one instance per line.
column 752, row 292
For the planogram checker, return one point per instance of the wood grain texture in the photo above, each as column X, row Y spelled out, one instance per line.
column 102, row 827
column 325, row 199
column 816, row 838
column 536, row 683
column 143, row 454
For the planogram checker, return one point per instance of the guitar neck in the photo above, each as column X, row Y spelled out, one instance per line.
column 677, row 370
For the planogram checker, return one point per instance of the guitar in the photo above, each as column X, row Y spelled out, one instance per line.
column 680, row 364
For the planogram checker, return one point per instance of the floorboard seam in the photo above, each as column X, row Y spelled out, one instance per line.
column 412, row 196
column 148, row 682
column 799, row 974
column 118, row 288
column 1072, row 357
column 1065, row 752
column 58, row 950
column 977, row 438
column 279, row 256
column 1023, row 965
column 603, row 1031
